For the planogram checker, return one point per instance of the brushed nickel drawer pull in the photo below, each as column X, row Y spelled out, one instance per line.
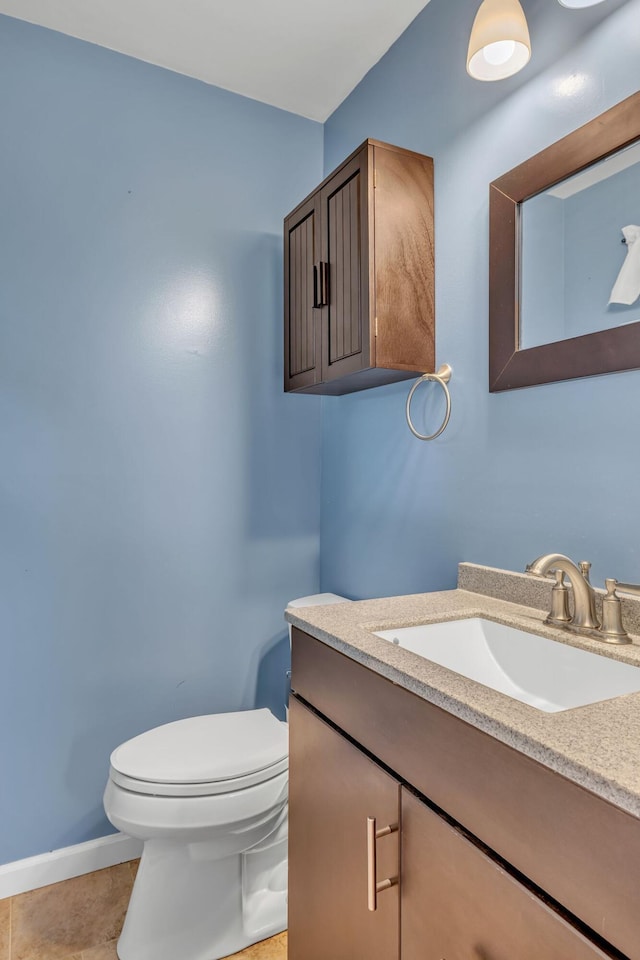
column 374, row 887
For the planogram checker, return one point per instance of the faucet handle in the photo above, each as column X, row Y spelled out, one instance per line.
column 559, row 600
column 612, row 629
column 613, row 585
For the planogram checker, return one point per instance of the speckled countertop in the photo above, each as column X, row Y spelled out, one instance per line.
column 597, row 746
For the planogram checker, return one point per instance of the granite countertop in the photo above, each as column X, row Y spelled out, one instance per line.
column 596, row 746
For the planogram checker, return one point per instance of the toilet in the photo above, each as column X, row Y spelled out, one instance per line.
column 208, row 796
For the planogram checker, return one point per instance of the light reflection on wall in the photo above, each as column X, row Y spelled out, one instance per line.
column 193, row 312
column 572, row 85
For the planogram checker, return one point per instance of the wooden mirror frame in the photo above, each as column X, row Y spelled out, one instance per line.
column 606, row 351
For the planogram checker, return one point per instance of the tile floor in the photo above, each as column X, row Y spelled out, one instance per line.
column 81, row 919
column 273, row 949
column 77, row 919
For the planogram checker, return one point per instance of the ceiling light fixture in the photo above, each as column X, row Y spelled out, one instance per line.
column 578, row 4
column 499, row 45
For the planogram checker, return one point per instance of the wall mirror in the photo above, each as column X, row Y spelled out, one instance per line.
column 564, row 264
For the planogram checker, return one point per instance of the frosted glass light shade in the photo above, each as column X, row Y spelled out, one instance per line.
column 576, row 4
column 499, row 45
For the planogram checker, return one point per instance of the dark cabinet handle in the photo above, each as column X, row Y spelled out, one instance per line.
column 320, row 284
column 324, row 283
column 316, row 292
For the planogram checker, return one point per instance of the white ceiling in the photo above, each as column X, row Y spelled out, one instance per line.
column 300, row 55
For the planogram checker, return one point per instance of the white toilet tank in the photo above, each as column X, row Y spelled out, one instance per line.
column 314, row 600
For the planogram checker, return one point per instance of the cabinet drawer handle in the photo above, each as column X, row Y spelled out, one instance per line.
column 374, row 887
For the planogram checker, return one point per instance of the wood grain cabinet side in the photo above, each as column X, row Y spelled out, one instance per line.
column 359, row 275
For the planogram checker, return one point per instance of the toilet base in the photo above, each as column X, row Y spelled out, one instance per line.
column 186, row 905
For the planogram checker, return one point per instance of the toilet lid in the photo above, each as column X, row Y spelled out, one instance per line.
column 209, row 749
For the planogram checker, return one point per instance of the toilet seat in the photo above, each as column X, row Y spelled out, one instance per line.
column 203, row 756
column 153, row 788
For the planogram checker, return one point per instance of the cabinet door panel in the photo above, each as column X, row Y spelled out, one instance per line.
column 345, row 247
column 333, row 788
column 302, row 318
column 459, row 903
column 345, row 328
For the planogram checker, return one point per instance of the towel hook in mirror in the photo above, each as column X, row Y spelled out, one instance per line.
column 442, row 377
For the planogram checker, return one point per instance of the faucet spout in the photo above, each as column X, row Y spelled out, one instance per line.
column 584, row 613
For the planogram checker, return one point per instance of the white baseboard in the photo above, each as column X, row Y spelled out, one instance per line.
column 23, row 875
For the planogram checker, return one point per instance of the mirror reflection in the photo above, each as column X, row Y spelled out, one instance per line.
column 580, row 252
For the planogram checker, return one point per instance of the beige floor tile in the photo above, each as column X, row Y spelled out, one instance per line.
column 105, row 952
column 5, row 929
column 273, row 949
column 63, row 919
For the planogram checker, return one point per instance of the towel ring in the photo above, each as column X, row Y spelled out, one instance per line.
column 442, row 377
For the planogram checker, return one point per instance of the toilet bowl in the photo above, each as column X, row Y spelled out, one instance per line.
column 208, row 796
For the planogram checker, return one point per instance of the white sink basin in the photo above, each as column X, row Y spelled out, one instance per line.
column 544, row 673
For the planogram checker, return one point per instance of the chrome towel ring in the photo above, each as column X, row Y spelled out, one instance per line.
column 442, row 377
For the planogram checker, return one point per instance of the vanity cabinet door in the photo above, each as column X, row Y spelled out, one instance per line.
column 457, row 902
column 333, row 789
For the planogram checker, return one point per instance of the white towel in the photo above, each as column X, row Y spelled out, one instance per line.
column 626, row 289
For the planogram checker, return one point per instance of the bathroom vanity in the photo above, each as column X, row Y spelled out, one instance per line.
column 502, row 831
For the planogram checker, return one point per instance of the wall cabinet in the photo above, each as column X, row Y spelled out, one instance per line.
column 362, row 747
column 359, row 275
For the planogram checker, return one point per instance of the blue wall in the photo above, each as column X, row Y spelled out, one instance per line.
column 159, row 494
column 519, row 473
